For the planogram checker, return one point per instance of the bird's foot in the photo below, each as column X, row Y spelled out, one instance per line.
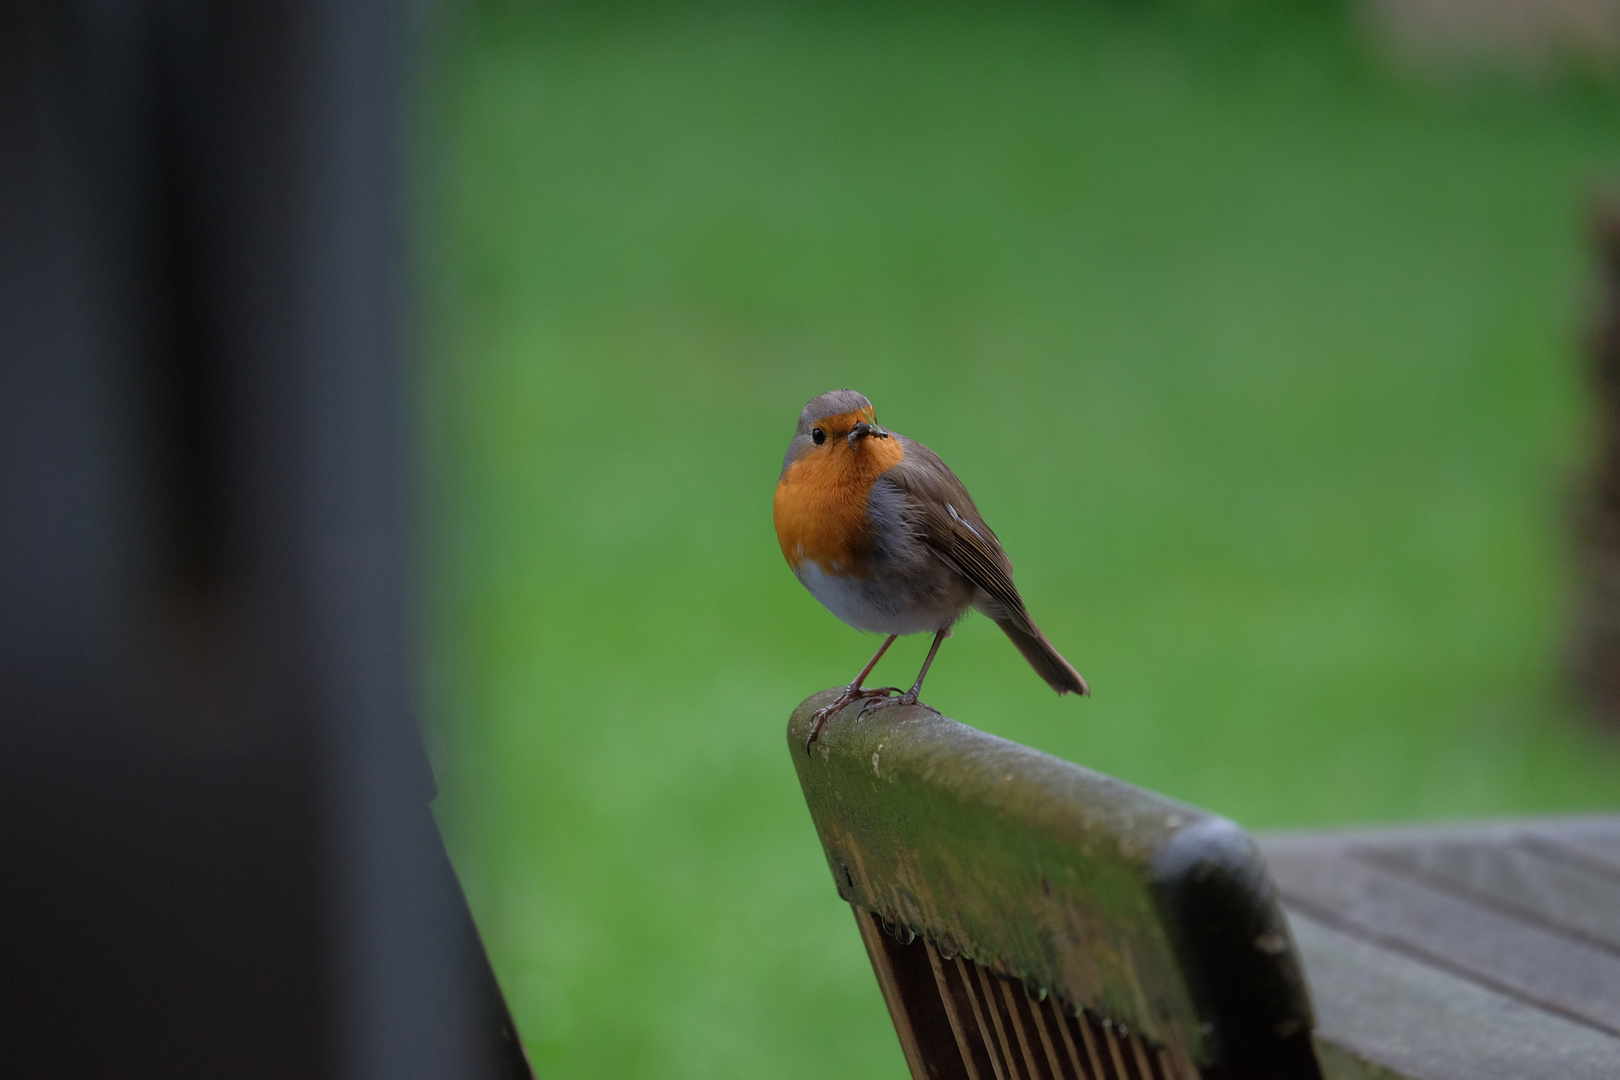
column 907, row 698
column 849, row 694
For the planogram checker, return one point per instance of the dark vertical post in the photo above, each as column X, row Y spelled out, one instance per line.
column 1597, row 630
column 216, row 854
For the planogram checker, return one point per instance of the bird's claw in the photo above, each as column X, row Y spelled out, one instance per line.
column 849, row 694
column 908, row 698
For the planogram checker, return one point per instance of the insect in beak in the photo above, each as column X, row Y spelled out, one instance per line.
column 863, row 429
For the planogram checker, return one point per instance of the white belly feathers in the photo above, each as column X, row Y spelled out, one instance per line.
column 855, row 601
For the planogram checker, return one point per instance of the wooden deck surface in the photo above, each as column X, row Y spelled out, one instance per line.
column 1460, row 953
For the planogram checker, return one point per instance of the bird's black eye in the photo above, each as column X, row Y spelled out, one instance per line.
column 818, row 435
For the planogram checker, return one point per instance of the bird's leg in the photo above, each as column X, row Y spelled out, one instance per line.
column 855, row 687
column 851, row 693
column 910, row 696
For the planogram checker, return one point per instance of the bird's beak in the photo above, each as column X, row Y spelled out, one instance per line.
column 863, row 429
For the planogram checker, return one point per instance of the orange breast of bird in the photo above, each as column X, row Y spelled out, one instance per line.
column 820, row 504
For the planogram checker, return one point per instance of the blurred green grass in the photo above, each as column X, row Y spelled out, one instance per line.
column 1258, row 356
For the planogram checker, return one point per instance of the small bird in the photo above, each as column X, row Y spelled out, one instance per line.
column 884, row 534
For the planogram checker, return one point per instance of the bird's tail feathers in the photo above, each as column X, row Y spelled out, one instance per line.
column 1046, row 660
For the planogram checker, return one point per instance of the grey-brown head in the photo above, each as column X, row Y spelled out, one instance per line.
column 835, row 415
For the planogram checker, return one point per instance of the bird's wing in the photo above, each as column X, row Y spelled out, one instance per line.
column 941, row 514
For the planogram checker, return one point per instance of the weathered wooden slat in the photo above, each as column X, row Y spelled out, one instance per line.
column 1139, row 908
column 1596, row 843
column 1036, row 1038
column 1062, row 1026
column 1023, row 1028
column 1145, row 1066
column 1519, row 878
column 1094, row 1047
column 1050, row 1045
column 1383, row 1015
column 963, row 1016
column 1601, row 830
column 985, row 1017
column 1116, row 1059
column 999, row 1020
column 1517, row 958
column 1060, row 1051
column 914, row 1004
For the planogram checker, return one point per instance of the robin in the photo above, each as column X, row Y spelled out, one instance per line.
column 884, row 534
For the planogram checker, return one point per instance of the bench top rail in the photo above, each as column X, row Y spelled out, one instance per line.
column 1151, row 913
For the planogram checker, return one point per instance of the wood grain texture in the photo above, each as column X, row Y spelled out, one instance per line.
column 1597, row 844
column 1519, row 878
column 1514, row 957
column 1602, row 831
column 1474, row 952
column 965, row 1023
column 919, row 1015
column 1384, row 1014
column 958, row 1018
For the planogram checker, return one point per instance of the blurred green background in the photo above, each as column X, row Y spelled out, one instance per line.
column 1257, row 351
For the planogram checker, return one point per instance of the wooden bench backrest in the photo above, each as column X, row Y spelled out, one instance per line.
column 1029, row 917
